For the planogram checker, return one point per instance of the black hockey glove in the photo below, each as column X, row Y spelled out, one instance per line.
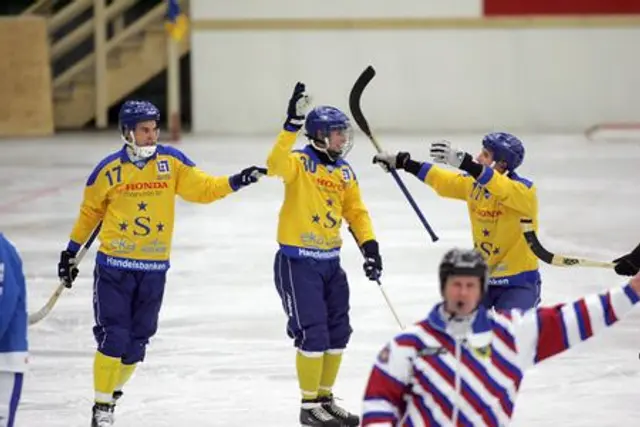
column 67, row 270
column 297, row 108
column 629, row 264
column 247, row 176
column 372, row 261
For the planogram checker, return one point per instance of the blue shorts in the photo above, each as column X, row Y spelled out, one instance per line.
column 126, row 306
column 523, row 296
column 315, row 298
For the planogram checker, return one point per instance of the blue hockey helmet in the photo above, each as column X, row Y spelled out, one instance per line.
column 505, row 148
column 321, row 123
column 134, row 112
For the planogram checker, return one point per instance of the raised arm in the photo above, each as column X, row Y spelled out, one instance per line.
column 280, row 161
column 548, row 331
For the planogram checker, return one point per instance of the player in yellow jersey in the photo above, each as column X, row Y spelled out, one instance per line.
column 132, row 194
column 497, row 198
column 320, row 190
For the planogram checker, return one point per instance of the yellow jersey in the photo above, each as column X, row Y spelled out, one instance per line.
column 317, row 196
column 136, row 202
column 496, row 202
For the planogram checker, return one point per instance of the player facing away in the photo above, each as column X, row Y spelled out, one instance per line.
column 13, row 331
column 132, row 193
column 463, row 364
column 497, row 198
column 320, row 190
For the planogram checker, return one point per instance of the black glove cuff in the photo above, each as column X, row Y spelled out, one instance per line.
column 235, row 182
column 371, row 248
column 412, row 167
column 290, row 127
column 472, row 168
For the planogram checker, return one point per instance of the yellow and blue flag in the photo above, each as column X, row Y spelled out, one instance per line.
column 176, row 22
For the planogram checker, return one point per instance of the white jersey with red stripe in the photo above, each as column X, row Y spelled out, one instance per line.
column 435, row 374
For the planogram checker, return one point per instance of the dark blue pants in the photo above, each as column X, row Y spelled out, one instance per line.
column 126, row 305
column 315, row 297
column 522, row 296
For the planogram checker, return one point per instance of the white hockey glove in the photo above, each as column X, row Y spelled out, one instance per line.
column 388, row 161
column 443, row 152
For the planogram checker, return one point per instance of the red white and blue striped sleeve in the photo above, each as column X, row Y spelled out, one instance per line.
column 384, row 403
column 548, row 331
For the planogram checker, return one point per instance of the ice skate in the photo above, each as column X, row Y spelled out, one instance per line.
column 312, row 414
column 345, row 417
column 102, row 415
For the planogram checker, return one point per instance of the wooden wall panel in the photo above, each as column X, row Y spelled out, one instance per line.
column 26, row 105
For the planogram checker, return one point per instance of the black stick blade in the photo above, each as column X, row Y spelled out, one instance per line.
column 354, row 98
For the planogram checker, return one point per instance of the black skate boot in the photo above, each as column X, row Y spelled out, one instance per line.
column 312, row 414
column 102, row 415
column 345, row 417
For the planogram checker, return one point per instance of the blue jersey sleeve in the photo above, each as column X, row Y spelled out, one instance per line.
column 11, row 282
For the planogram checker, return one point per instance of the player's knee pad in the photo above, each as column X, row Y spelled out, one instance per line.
column 339, row 335
column 112, row 341
column 314, row 338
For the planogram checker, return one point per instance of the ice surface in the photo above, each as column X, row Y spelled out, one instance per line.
column 221, row 357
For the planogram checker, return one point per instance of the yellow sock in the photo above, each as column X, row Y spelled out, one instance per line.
column 106, row 371
column 330, row 368
column 309, row 367
column 125, row 374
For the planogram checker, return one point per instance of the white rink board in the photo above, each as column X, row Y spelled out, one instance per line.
column 537, row 80
column 248, row 9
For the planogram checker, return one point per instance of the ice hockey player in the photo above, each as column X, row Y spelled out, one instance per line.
column 320, row 190
column 629, row 264
column 497, row 198
column 13, row 331
column 464, row 364
column 132, row 193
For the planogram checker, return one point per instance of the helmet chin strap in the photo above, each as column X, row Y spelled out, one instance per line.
column 315, row 143
column 137, row 152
